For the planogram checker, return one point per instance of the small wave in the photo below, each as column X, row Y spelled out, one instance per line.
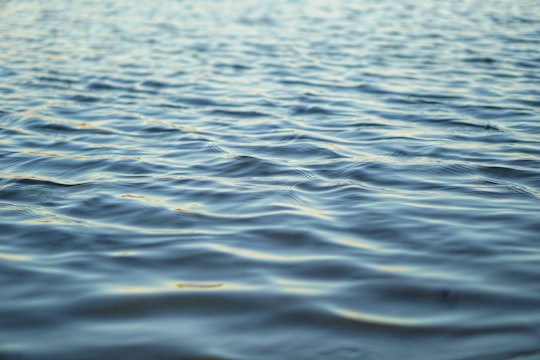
column 83, row 98
column 311, row 110
column 237, row 114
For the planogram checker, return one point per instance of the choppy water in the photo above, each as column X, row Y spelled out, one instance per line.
column 270, row 179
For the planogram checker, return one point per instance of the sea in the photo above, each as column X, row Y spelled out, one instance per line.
column 286, row 179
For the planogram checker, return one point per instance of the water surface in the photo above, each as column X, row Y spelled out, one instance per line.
column 268, row 180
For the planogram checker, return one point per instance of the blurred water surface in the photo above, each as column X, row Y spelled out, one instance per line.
column 270, row 180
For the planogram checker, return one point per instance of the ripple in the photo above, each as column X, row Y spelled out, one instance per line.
column 271, row 180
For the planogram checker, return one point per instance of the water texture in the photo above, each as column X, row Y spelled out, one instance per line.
column 280, row 179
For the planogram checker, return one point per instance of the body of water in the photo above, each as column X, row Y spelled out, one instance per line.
column 281, row 179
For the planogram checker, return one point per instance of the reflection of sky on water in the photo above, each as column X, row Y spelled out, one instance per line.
column 316, row 179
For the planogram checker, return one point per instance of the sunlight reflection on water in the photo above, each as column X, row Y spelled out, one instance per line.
column 288, row 179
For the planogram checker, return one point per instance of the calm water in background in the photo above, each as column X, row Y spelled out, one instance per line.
column 269, row 180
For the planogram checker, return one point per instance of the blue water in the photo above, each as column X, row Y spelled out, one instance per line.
column 256, row 179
